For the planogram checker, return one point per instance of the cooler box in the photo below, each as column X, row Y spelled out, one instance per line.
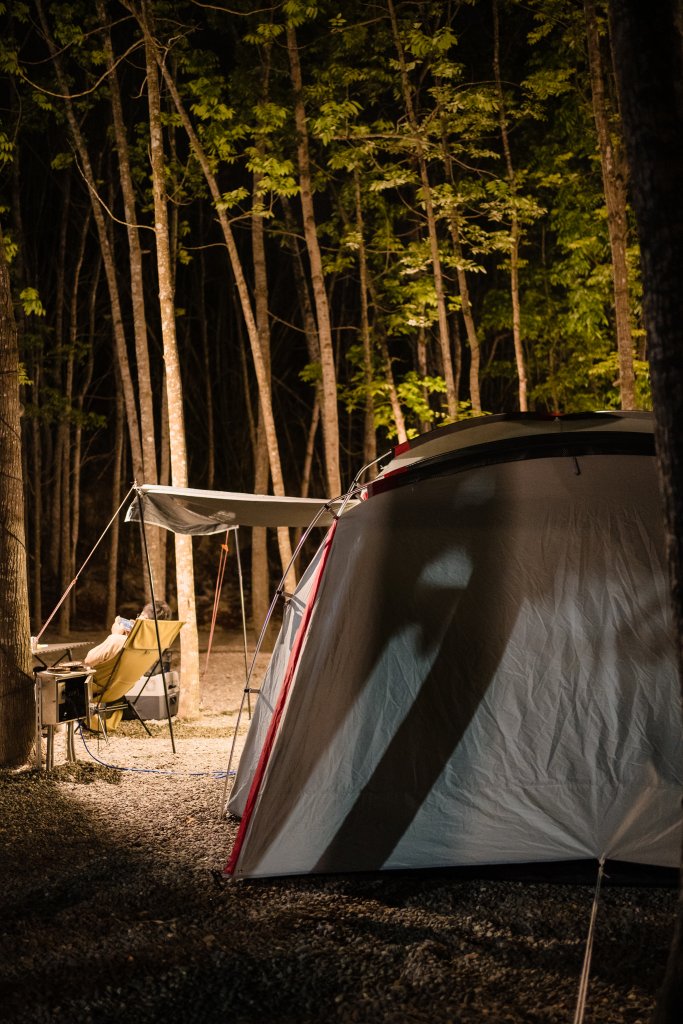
column 149, row 699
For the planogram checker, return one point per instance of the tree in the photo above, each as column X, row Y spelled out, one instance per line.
column 648, row 46
column 329, row 414
column 157, row 549
column 189, row 647
column 613, row 176
column 260, row 367
column 80, row 145
column 427, row 199
column 16, row 683
column 515, row 226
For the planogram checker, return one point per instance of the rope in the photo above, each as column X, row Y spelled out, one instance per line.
column 585, row 973
column 146, row 771
column 222, row 562
column 75, row 579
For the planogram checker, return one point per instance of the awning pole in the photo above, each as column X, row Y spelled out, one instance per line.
column 156, row 621
column 244, row 620
column 247, row 690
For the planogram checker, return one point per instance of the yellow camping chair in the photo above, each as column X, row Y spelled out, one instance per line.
column 114, row 677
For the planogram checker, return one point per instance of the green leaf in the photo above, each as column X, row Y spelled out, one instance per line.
column 30, row 300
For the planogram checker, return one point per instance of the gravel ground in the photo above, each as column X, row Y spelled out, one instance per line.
column 113, row 909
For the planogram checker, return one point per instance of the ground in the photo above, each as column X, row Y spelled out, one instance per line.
column 114, row 909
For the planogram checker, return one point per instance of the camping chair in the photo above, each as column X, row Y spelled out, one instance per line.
column 115, row 677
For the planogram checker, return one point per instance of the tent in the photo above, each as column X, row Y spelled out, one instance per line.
column 477, row 667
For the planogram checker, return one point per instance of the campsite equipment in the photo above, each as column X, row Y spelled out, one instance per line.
column 115, row 676
column 146, row 696
column 478, row 666
column 62, row 697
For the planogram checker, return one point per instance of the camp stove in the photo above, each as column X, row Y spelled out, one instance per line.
column 62, row 697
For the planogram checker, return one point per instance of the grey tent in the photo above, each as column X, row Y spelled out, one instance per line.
column 478, row 667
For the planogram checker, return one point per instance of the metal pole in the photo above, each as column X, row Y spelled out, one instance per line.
column 156, row 621
column 244, row 620
column 276, row 597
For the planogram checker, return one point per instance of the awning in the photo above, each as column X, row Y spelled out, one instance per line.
column 197, row 512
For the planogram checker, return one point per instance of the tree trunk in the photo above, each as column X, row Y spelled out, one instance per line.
column 61, row 439
column 444, row 334
column 189, row 645
column 116, row 476
column 137, row 297
column 262, row 380
column 78, row 428
column 33, row 486
column 615, row 199
column 260, row 577
column 329, row 410
column 397, row 411
column 107, row 254
column 464, row 289
column 466, row 307
column 648, row 47
column 310, row 329
column 208, row 380
column 67, row 566
column 37, row 471
column 515, row 227
column 369, row 435
column 16, row 682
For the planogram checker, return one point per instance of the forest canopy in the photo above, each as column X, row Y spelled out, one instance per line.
column 254, row 246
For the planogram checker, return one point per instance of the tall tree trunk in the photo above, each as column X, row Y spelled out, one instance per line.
column 444, row 334
column 33, row 485
column 164, row 479
column 68, row 484
column 421, row 361
column 260, row 582
column 208, row 381
column 78, row 426
column 306, row 309
column 329, row 408
column 648, row 47
column 37, row 472
column 16, row 682
column 137, row 297
column 464, row 289
column 396, row 410
column 515, row 227
column 189, row 645
column 116, row 476
column 61, row 433
column 107, row 253
column 305, row 305
column 265, row 397
column 369, row 435
column 615, row 199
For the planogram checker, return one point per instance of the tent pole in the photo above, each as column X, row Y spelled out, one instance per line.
column 244, row 620
column 156, row 621
column 276, row 596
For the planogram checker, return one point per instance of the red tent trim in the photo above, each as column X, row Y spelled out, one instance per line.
column 279, row 709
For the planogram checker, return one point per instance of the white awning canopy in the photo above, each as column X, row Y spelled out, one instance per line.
column 197, row 512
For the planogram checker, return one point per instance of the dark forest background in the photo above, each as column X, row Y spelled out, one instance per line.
column 379, row 218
